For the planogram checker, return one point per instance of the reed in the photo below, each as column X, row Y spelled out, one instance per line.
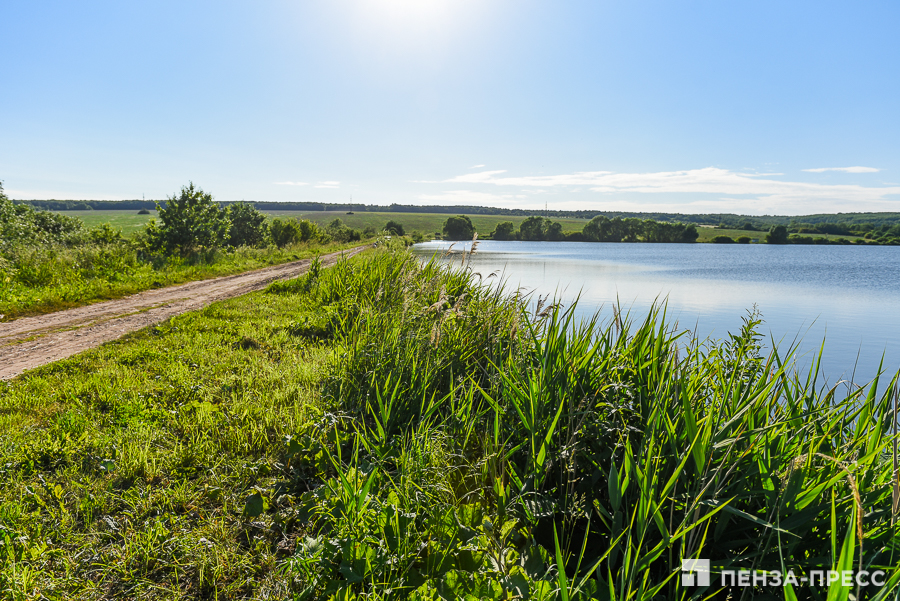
column 621, row 442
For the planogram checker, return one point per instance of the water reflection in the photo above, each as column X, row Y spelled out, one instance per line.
column 846, row 295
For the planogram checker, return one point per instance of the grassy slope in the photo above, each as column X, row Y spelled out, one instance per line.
column 302, row 441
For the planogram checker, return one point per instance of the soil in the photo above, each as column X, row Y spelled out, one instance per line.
column 34, row 341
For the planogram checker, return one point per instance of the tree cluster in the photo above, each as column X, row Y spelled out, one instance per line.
column 599, row 229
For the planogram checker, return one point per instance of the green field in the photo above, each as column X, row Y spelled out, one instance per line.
column 425, row 223
column 386, row 430
column 128, row 222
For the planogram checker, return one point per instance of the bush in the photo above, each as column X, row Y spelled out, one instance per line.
column 248, row 225
column 743, row 240
column 394, row 228
column 458, row 228
column 777, row 235
column 285, row 232
column 723, row 240
column 189, row 222
column 143, row 212
column 504, row 231
column 341, row 233
column 106, row 234
column 22, row 224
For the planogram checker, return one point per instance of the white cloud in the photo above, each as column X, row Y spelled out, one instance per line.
column 476, row 166
column 328, row 185
column 291, row 184
column 844, row 169
column 710, row 180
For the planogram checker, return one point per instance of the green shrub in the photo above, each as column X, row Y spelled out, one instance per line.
column 504, row 230
column 458, row 228
column 394, row 228
column 248, row 225
column 189, row 222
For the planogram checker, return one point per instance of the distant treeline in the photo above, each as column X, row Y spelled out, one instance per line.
column 844, row 223
column 598, row 229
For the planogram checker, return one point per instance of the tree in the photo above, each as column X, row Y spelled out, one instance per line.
column 533, row 228
column 458, row 228
column 554, row 231
column 777, row 235
column 690, row 233
column 394, row 228
column 248, row 225
column 190, row 221
column 597, row 229
column 341, row 233
column 504, row 231
column 284, row 232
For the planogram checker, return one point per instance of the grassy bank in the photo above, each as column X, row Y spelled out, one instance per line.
column 387, row 430
column 52, row 279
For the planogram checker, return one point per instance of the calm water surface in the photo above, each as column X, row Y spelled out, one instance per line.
column 847, row 295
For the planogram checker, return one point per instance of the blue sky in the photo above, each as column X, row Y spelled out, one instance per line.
column 751, row 107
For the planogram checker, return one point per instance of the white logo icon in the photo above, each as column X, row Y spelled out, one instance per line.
column 695, row 572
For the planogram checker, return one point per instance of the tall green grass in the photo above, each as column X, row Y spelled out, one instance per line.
column 584, row 455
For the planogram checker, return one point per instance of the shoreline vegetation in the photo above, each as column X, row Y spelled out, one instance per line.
column 393, row 429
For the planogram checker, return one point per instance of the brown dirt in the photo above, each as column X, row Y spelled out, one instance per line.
column 34, row 341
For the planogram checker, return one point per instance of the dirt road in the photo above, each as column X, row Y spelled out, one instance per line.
column 34, row 341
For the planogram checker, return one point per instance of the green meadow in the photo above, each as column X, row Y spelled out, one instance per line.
column 428, row 224
column 128, row 222
column 385, row 429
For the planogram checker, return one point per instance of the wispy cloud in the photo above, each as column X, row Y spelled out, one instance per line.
column 476, row 166
column 710, row 180
column 328, row 185
column 844, row 169
column 291, row 184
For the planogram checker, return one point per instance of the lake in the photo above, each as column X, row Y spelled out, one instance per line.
column 846, row 295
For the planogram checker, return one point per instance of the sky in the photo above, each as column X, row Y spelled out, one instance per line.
column 748, row 107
